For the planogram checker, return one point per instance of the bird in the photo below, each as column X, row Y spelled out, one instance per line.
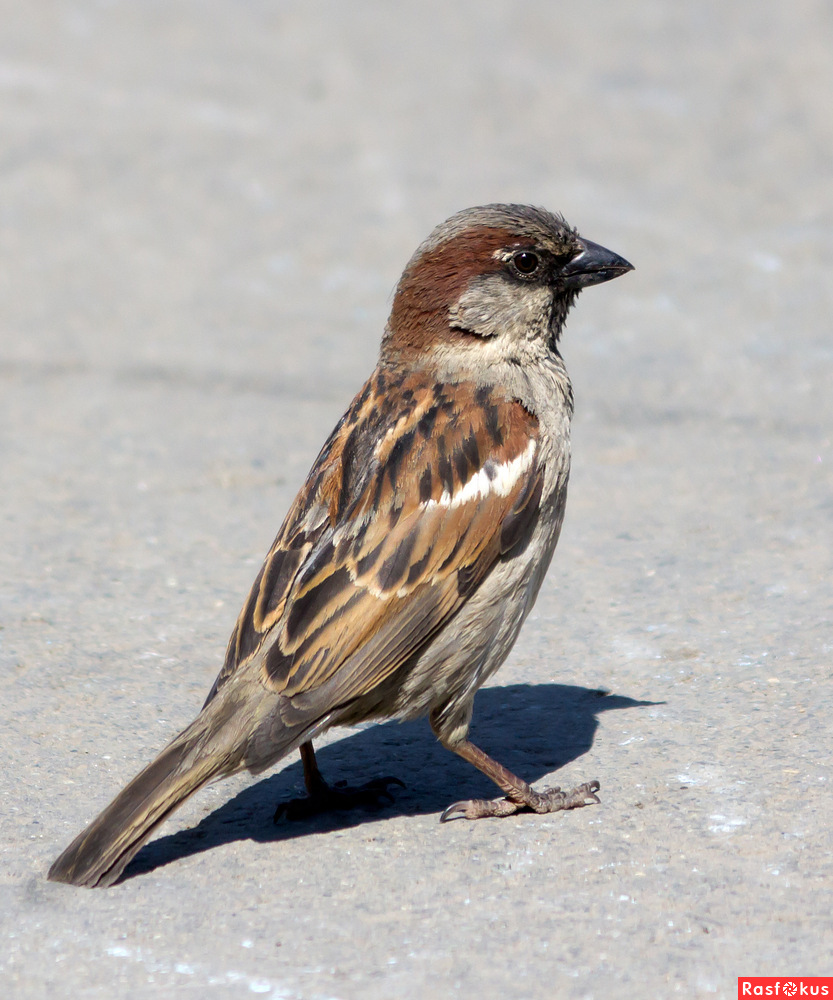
column 411, row 556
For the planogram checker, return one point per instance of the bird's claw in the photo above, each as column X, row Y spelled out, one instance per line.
column 338, row 797
column 551, row 800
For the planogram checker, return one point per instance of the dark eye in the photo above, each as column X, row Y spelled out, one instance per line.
column 526, row 262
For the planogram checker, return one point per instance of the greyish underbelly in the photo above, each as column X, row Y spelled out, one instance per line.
column 446, row 675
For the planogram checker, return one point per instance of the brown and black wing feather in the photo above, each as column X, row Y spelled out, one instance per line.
column 391, row 534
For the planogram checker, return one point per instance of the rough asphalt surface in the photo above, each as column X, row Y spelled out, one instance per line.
column 203, row 210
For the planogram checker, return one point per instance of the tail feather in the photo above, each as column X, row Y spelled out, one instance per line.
column 99, row 854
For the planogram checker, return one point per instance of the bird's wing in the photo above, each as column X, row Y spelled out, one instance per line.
column 405, row 511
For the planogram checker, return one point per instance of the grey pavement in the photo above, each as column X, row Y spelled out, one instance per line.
column 203, row 210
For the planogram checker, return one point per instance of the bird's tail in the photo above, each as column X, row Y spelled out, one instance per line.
column 99, row 854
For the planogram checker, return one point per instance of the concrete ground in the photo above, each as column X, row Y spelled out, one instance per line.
column 203, row 210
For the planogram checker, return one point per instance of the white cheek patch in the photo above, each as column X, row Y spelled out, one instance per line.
column 495, row 477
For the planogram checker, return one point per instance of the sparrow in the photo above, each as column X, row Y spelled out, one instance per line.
column 405, row 568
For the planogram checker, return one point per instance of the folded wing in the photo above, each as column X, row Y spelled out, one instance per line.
column 399, row 522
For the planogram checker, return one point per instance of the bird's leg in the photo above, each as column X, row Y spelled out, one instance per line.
column 322, row 797
column 519, row 795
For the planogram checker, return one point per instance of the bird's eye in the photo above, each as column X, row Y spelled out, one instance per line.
column 526, row 262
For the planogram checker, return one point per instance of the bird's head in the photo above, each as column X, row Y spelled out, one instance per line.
column 505, row 275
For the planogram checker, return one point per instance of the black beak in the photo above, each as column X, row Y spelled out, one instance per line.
column 592, row 266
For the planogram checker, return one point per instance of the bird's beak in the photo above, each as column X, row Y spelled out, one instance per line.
column 592, row 265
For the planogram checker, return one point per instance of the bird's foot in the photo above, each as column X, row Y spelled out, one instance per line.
column 552, row 800
column 339, row 797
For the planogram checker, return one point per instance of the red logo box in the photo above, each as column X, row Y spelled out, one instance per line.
column 785, row 986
